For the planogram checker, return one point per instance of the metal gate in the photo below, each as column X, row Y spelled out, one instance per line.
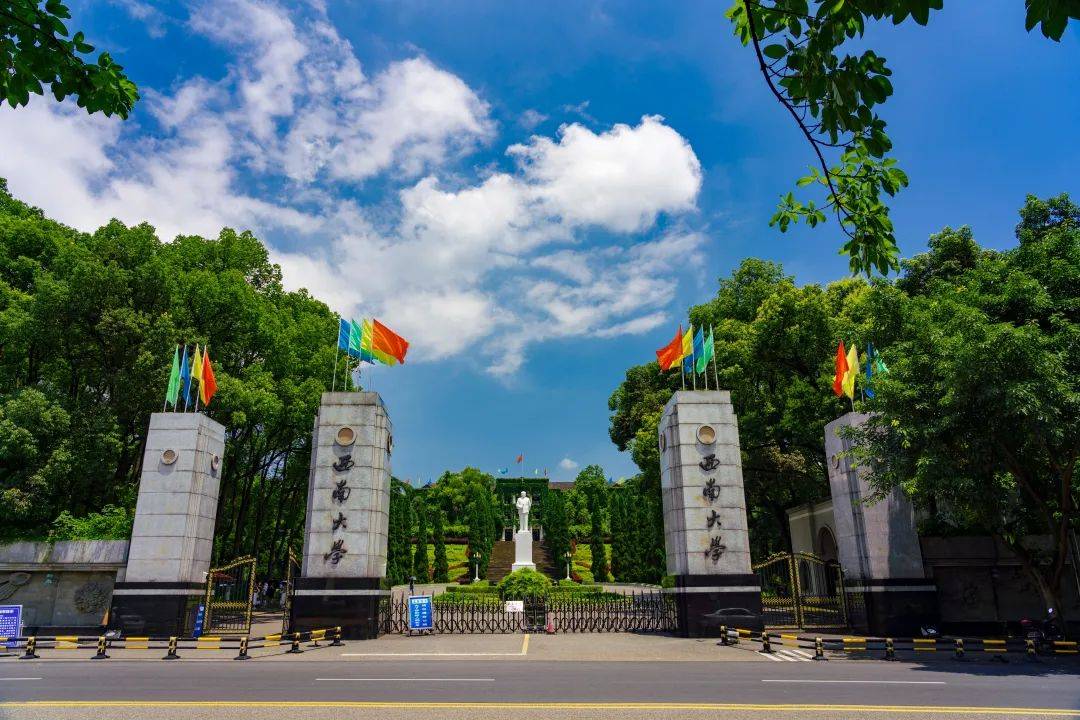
column 460, row 613
column 291, row 571
column 229, row 593
column 800, row 590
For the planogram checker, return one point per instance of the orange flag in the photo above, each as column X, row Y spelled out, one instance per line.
column 671, row 353
column 387, row 341
column 841, row 370
column 207, row 385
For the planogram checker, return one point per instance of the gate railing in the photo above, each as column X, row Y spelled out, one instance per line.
column 456, row 613
column 230, row 590
column 291, row 571
column 802, row 590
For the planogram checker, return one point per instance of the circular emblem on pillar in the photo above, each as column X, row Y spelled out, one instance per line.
column 706, row 435
column 215, row 464
column 663, row 440
column 168, row 457
column 345, row 436
column 389, row 444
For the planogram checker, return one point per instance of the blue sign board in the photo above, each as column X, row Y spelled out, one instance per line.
column 10, row 622
column 200, row 617
column 420, row 612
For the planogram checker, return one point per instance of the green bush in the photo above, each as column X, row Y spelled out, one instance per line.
column 524, row 583
column 479, row 588
column 112, row 523
column 489, row 600
column 668, row 581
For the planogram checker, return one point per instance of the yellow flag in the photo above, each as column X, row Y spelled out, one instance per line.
column 853, row 370
column 196, row 365
column 688, row 343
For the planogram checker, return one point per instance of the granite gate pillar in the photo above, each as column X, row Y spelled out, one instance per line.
column 877, row 543
column 347, row 520
column 173, row 533
column 705, row 533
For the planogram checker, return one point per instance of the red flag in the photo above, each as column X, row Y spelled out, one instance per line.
column 520, row 458
column 671, row 353
column 207, row 384
column 387, row 341
column 841, row 369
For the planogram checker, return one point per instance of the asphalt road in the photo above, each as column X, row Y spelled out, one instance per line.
column 500, row 688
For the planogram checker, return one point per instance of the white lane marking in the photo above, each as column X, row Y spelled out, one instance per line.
column 772, row 656
column 410, row 679
column 794, row 656
column 19, row 678
column 864, row 682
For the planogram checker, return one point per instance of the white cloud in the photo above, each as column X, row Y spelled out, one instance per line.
column 562, row 242
column 568, row 464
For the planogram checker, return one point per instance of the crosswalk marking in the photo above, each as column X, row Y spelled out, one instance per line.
column 785, row 655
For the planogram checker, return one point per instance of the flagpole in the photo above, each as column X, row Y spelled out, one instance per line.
column 333, row 381
column 205, row 348
column 188, row 382
column 716, row 378
column 693, row 358
column 682, row 372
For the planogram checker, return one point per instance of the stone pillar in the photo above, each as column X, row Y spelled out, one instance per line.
column 173, row 533
column 705, row 534
column 348, row 511
column 877, row 543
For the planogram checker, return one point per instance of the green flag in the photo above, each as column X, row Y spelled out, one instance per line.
column 704, row 358
column 174, row 380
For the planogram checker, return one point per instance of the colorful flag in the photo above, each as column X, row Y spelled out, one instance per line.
column 688, row 344
column 185, row 376
column 706, row 353
column 389, row 342
column 671, row 353
column 520, row 458
column 697, row 349
column 841, row 370
column 174, row 380
column 207, row 385
column 356, row 343
column 874, row 366
column 852, row 371
column 367, row 345
column 503, row 471
column 343, row 334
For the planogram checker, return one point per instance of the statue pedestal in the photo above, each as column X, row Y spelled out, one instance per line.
column 523, row 551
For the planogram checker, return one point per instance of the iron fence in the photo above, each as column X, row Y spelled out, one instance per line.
column 461, row 613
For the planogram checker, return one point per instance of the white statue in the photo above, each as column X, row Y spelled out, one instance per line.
column 523, row 503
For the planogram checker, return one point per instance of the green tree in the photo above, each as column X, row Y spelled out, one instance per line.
column 420, row 559
column 38, row 50
column 481, row 528
column 979, row 417
column 398, row 558
column 596, row 540
column 556, row 530
column 833, row 100
column 620, row 534
column 441, row 572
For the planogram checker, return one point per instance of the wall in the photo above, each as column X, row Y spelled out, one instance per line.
column 61, row 586
column 805, row 523
column 982, row 586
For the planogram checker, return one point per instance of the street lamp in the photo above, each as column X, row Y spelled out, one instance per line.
column 476, row 564
column 567, row 555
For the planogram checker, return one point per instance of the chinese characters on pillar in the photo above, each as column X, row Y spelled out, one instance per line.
column 339, row 495
column 711, row 492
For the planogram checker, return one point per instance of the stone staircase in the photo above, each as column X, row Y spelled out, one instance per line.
column 502, row 560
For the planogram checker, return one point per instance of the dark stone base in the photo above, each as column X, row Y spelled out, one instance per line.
column 159, row 610
column 894, row 611
column 53, row 630
column 349, row 603
column 704, row 604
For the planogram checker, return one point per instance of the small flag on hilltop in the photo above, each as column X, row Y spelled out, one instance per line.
column 174, row 381
column 841, row 370
column 503, row 471
column 207, row 383
column 852, row 372
column 667, row 356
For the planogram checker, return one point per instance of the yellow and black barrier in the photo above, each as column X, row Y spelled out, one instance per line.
column 959, row 647
column 33, row 645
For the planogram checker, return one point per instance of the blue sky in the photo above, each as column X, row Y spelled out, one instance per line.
column 532, row 193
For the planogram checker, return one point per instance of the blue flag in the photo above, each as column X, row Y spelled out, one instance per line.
column 699, row 350
column 343, row 334
column 503, row 471
column 185, row 376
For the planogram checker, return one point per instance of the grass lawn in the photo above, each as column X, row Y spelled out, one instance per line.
column 455, row 558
